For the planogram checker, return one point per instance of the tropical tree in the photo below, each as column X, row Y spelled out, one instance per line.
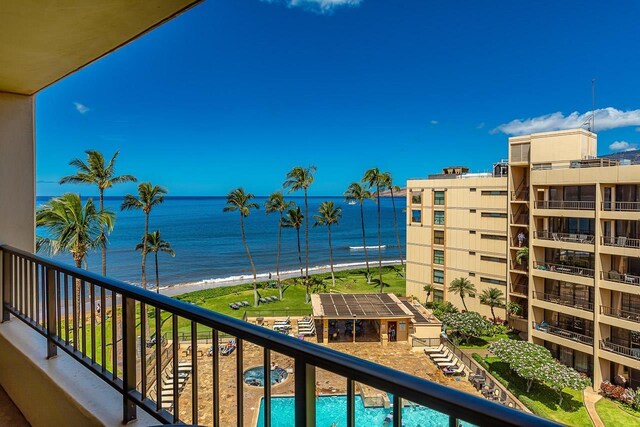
column 94, row 171
column 238, row 200
column 463, row 287
column 493, row 297
column 522, row 256
column 328, row 215
column 387, row 182
column 428, row 289
column 466, row 325
column 294, row 219
column 357, row 192
column 276, row 203
column 373, row 178
column 155, row 244
column 73, row 228
column 300, row 178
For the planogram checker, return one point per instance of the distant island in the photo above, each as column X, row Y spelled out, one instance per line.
column 401, row 193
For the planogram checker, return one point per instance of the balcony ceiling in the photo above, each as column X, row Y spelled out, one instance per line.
column 44, row 41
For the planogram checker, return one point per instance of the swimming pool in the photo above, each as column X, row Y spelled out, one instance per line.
column 333, row 409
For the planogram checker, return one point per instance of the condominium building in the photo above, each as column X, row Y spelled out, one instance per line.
column 580, row 287
column 457, row 228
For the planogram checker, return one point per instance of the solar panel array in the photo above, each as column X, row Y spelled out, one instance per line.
column 360, row 305
column 418, row 317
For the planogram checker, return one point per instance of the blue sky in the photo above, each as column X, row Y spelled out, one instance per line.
column 236, row 92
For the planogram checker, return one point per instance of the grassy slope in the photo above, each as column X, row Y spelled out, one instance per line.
column 484, row 341
column 613, row 414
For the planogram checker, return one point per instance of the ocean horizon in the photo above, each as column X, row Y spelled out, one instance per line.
column 208, row 245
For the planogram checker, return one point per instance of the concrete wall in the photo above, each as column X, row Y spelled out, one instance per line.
column 17, row 171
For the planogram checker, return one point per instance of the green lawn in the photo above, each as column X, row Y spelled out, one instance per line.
column 484, row 341
column 541, row 400
column 614, row 414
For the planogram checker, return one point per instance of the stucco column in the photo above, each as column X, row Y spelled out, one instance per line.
column 17, row 171
column 597, row 297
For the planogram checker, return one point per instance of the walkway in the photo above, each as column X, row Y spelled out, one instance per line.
column 10, row 415
column 590, row 399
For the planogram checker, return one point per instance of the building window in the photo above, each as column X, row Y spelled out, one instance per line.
column 438, row 257
column 494, row 237
column 438, row 237
column 472, row 274
column 493, row 281
column 472, row 253
column 494, row 193
column 416, row 197
column 494, row 215
column 493, row 259
column 416, row 215
column 438, row 296
column 472, row 211
column 472, row 231
column 473, row 190
column 438, row 276
column 438, row 198
column 438, row 217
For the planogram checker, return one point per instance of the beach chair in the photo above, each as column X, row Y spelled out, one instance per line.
column 458, row 370
column 452, row 362
column 449, row 358
column 433, row 350
column 445, row 353
column 503, row 397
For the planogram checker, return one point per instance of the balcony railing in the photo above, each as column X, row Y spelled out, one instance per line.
column 614, row 276
column 565, row 237
column 634, row 353
column 620, row 206
column 581, row 303
column 564, row 269
column 564, row 333
column 633, row 316
column 621, row 242
column 60, row 303
column 565, row 204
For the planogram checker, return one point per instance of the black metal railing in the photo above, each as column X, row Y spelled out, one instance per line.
column 614, row 276
column 565, row 204
column 424, row 342
column 565, row 237
column 565, row 269
column 633, row 316
column 575, row 302
column 65, row 303
column 620, row 349
column 620, row 206
column 564, row 333
column 621, row 241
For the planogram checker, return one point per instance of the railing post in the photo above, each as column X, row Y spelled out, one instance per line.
column 305, row 393
column 50, row 302
column 7, row 275
column 129, row 358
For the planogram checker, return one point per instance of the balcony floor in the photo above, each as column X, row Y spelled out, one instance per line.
column 10, row 415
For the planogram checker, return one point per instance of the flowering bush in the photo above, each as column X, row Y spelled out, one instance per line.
column 621, row 394
column 535, row 364
column 467, row 325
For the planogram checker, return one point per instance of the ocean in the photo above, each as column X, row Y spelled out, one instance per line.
column 209, row 249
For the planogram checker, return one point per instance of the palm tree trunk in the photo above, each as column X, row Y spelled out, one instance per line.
column 157, row 274
column 463, row 303
column 278, row 257
column 379, row 241
column 364, row 243
column 300, row 262
column 144, row 250
column 306, row 236
column 104, row 239
column 333, row 276
column 395, row 224
column 253, row 268
column 493, row 314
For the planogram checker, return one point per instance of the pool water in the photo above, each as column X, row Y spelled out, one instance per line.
column 333, row 409
column 255, row 376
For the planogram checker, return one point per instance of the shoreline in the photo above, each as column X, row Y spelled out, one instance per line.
column 187, row 287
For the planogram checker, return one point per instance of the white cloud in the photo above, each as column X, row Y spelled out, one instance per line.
column 318, row 6
column 81, row 108
column 434, row 122
column 606, row 118
column 480, row 125
column 622, row 146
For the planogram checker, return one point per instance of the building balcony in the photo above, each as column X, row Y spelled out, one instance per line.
column 620, row 206
column 521, row 268
column 632, row 316
column 587, row 239
column 565, row 204
column 564, row 269
column 607, row 345
column 563, row 333
column 519, row 288
column 57, row 302
column 581, row 303
column 614, row 276
column 621, row 242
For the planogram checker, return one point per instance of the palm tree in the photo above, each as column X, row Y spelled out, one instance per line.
column 373, row 178
column 238, row 200
column 155, row 244
column 148, row 196
column 387, row 182
column 276, row 203
column 493, row 297
column 463, row 287
column 358, row 193
column 95, row 172
column 72, row 228
column 294, row 219
column 328, row 215
column 428, row 289
column 300, row 178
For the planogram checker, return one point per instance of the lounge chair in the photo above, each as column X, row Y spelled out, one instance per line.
column 449, row 358
column 431, row 350
column 458, row 370
column 452, row 362
column 446, row 353
column 503, row 397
